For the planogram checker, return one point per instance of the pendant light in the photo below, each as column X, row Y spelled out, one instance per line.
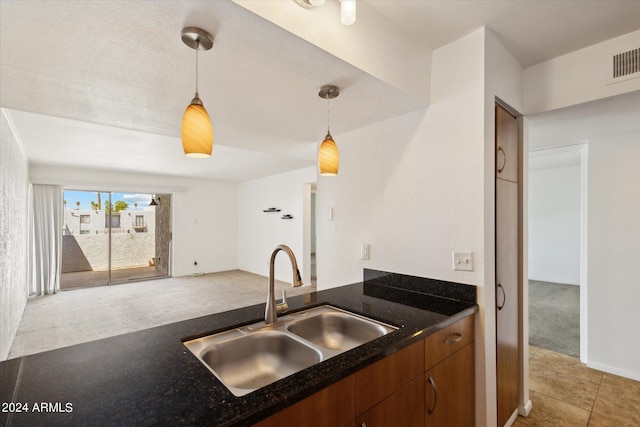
column 197, row 133
column 328, row 156
column 347, row 12
column 153, row 201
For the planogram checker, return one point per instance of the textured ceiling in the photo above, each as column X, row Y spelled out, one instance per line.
column 104, row 84
column 123, row 64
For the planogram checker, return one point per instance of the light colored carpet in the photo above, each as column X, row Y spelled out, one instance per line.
column 83, row 315
column 554, row 317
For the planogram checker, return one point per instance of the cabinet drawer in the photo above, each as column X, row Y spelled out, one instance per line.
column 443, row 343
column 377, row 381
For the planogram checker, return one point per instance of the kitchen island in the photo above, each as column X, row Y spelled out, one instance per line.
column 150, row 378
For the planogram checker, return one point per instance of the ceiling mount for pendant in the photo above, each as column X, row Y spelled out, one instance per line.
column 308, row 4
column 197, row 38
column 329, row 92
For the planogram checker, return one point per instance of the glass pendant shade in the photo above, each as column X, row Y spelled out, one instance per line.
column 348, row 12
column 328, row 157
column 197, row 133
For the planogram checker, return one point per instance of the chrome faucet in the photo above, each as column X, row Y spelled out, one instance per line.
column 272, row 309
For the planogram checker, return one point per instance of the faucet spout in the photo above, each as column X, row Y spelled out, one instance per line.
column 272, row 309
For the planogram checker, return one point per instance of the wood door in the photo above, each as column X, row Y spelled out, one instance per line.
column 379, row 380
column 331, row 406
column 506, row 145
column 507, row 298
column 450, row 391
column 403, row 408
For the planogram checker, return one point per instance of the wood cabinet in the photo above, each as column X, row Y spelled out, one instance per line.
column 507, row 267
column 381, row 379
column 395, row 390
column 331, row 406
column 450, row 390
column 404, row 407
column 442, row 344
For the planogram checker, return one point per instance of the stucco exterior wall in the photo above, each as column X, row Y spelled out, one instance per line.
column 90, row 252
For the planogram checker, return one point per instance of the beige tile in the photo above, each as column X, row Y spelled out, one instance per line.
column 563, row 377
column 519, row 423
column 619, row 400
column 597, row 420
column 550, row 412
column 533, row 350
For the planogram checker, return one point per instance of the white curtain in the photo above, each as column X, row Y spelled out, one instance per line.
column 46, row 243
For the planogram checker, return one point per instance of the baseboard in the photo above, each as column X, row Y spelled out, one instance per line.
column 525, row 409
column 512, row 419
column 615, row 371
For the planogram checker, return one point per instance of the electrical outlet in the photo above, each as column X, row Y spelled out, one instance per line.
column 463, row 261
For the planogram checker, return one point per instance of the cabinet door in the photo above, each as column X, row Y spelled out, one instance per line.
column 450, row 391
column 506, row 298
column 377, row 381
column 403, row 408
column 331, row 406
column 506, row 145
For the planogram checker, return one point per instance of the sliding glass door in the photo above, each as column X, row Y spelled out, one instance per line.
column 111, row 237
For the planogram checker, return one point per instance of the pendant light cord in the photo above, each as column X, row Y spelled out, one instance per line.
column 328, row 116
column 197, row 48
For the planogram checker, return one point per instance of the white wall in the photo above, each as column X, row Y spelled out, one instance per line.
column 421, row 185
column 14, row 194
column 577, row 77
column 613, row 251
column 408, row 185
column 554, row 223
column 259, row 233
column 205, row 213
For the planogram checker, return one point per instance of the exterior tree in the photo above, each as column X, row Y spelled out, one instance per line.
column 64, row 202
column 121, row 206
column 94, row 206
column 78, row 205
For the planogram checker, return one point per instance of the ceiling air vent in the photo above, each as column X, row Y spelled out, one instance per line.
column 626, row 63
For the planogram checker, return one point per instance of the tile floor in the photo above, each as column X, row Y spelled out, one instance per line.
column 88, row 314
column 564, row 392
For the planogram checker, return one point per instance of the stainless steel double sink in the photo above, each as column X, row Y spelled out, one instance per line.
column 248, row 358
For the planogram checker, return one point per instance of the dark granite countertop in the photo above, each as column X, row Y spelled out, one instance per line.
column 150, row 378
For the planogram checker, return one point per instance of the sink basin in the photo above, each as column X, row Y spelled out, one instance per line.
column 248, row 362
column 338, row 330
column 248, row 358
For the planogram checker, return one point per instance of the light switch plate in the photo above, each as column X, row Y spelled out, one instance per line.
column 463, row 261
column 364, row 251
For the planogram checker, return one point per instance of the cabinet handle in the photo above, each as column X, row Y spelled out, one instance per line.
column 458, row 338
column 504, row 297
column 504, row 156
column 435, row 394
